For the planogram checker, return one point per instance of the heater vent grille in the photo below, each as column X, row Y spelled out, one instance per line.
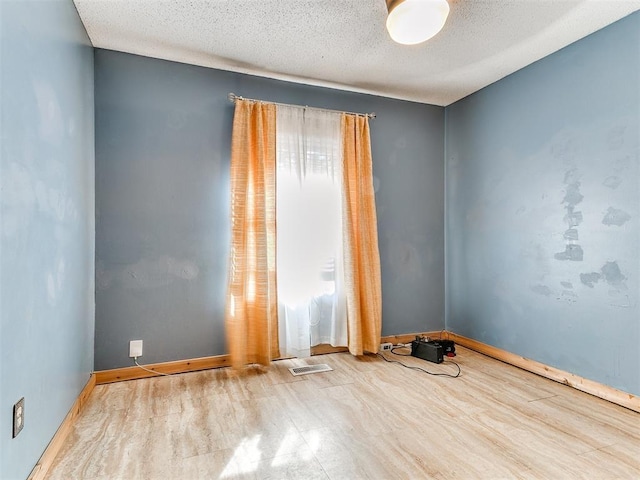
column 321, row 367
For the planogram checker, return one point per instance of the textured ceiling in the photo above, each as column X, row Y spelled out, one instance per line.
column 343, row 43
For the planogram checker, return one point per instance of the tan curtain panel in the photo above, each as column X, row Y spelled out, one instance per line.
column 251, row 310
column 361, row 254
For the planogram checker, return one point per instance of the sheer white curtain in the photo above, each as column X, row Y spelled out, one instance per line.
column 311, row 297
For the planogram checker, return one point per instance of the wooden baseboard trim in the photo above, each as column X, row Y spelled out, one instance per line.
column 185, row 366
column 408, row 337
column 218, row 361
column 325, row 348
column 600, row 390
column 605, row 392
column 178, row 366
column 41, row 469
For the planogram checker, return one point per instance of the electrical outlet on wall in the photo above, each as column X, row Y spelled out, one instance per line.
column 18, row 417
column 135, row 348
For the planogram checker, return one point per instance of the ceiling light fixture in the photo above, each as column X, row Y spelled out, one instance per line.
column 415, row 21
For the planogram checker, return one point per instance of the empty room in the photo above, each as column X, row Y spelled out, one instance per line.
column 319, row 239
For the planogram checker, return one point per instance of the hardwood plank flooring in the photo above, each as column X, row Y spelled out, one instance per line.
column 367, row 419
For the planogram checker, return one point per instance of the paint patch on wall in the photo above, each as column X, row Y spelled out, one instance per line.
column 624, row 302
column 610, row 273
column 573, row 196
column 616, row 217
column 573, row 253
column 572, row 176
column 568, row 296
column 572, row 218
column 589, row 279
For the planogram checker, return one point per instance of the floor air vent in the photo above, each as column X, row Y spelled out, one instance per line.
column 321, row 367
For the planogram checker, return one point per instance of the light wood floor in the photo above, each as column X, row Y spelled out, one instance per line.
column 366, row 419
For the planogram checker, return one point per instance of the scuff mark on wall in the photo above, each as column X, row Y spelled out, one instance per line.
column 566, row 284
column 616, row 217
column 404, row 257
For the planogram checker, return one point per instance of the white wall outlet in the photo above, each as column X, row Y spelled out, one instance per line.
column 386, row 347
column 18, row 417
column 135, row 348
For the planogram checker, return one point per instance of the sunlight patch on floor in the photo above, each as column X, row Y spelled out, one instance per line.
column 245, row 458
column 287, row 445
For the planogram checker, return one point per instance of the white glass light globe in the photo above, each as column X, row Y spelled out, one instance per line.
column 415, row 21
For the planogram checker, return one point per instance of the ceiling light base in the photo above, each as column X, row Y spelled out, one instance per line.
column 415, row 21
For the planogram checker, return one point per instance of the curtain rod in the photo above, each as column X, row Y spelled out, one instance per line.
column 233, row 97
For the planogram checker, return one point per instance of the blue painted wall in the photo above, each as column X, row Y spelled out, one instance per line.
column 543, row 210
column 163, row 133
column 47, row 222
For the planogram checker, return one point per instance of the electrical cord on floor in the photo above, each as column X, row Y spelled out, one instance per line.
column 421, row 369
column 393, row 350
column 135, row 360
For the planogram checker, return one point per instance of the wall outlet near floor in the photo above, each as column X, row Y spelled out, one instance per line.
column 386, row 347
column 18, row 417
column 135, row 348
